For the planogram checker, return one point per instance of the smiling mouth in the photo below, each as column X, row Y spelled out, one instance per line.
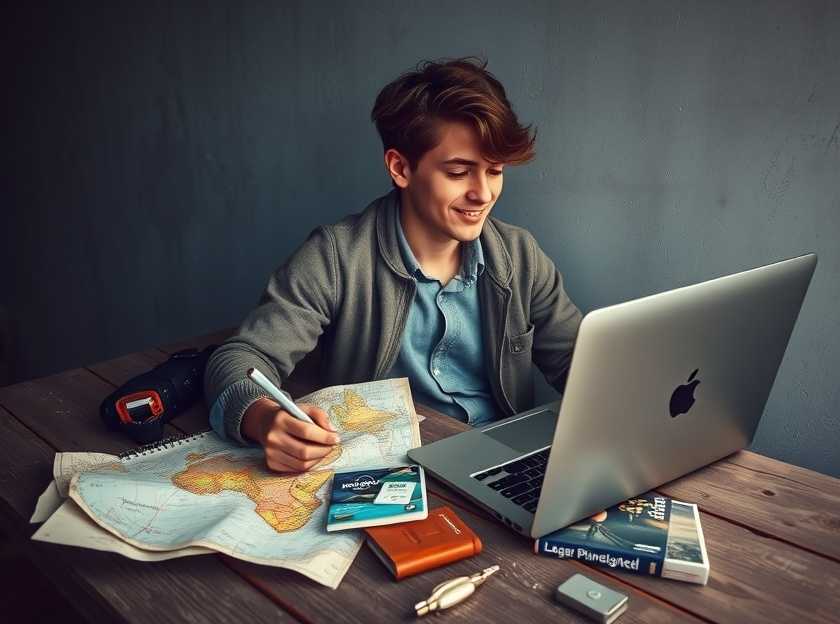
column 470, row 213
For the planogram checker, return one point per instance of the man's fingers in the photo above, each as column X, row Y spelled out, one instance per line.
column 312, row 433
column 295, row 447
column 279, row 461
column 319, row 416
column 292, row 445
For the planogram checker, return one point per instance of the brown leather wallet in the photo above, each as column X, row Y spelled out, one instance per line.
column 413, row 547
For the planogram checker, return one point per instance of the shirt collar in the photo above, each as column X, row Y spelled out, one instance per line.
column 472, row 257
column 472, row 260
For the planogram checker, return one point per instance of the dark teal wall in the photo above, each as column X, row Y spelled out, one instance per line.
column 160, row 160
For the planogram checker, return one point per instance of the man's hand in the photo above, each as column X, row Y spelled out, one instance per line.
column 291, row 445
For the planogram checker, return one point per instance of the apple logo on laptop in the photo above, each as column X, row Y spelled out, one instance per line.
column 683, row 397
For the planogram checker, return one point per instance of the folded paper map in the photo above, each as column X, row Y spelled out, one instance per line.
column 203, row 493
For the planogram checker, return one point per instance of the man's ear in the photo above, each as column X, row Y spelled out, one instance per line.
column 397, row 166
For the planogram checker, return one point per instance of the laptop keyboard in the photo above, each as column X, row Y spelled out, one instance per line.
column 519, row 480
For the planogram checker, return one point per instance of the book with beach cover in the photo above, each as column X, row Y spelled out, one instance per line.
column 374, row 497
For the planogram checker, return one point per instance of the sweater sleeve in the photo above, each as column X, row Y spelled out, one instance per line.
column 556, row 320
column 226, row 402
column 295, row 309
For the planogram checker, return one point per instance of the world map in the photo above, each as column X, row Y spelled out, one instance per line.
column 285, row 503
column 205, row 491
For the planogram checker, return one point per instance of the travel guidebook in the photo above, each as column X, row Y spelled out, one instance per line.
column 649, row 534
column 363, row 498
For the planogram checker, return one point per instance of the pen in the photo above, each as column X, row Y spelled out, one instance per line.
column 452, row 592
column 285, row 402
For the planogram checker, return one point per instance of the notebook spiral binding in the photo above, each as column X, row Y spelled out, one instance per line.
column 166, row 443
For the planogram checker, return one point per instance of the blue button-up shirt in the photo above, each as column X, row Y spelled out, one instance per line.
column 442, row 351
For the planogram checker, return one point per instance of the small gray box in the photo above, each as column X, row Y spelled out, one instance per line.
column 594, row 600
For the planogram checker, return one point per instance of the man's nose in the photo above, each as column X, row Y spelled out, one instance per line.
column 480, row 191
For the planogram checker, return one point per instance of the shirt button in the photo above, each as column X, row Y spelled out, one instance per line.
column 517, row 348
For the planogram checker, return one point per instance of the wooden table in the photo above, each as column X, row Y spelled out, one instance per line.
column 772, row 531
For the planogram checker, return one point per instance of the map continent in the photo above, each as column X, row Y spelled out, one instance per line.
column 285, row 503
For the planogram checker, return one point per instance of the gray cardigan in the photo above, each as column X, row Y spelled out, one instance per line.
column 347, row 289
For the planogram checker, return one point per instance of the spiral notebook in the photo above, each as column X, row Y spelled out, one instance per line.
column 65, row 523
column 170, row 442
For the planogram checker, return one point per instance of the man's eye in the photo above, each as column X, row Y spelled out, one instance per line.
column 461, row 174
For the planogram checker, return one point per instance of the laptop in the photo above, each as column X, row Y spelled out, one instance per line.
column 657, row 387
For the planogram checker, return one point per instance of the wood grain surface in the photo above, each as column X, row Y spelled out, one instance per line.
column 772, row 532
column 770, row 498
column 748, row 567
column 61, row 413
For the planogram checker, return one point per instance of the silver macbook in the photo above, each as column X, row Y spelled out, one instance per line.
column 658, row 387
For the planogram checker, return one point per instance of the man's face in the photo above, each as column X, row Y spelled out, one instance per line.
column 453, row 188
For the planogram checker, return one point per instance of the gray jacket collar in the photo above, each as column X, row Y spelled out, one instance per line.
column 496, row 257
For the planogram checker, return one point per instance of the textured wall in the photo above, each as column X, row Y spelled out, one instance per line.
column 165, row 159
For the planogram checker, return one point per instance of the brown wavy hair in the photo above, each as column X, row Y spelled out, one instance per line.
column 408, row 111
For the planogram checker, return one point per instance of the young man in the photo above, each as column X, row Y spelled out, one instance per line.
column 421, row 284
